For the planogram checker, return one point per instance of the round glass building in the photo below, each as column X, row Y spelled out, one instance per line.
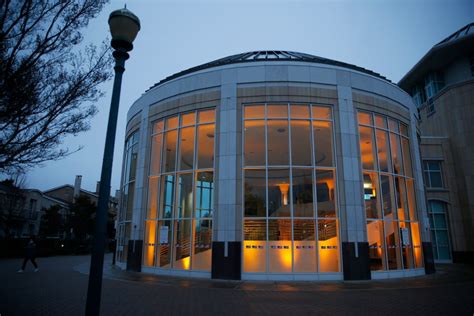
column 273, row 165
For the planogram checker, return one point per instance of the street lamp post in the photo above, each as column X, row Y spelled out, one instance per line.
column 124, row 27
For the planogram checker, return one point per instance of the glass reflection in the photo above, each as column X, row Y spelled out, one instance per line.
column 387, row 195
column 278, row 147
column 167, row 196
column 302, row 188
column 371, row 195
column 301, row 142
column 185, row 195
column 254, row 143
column 155, row 159
column 255, row 196
column 202, row 245
column 375, row 238
column 153, row 197
column 383, row 151
column 325, row 190
column 279, row 246
column 204, row 194
column 206, row 146
column 396, row 153
column 304, row 249
column 169, row 156
column 183, row 245
column 277, row 111
column 367, row 147
column 322, row 134
column 186, row 148
column 278, row 192
column 165, row 235
column 328, row 243
column 254, row 111
column 299, row 111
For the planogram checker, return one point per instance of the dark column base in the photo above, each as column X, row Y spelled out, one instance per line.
column 356, row 268
column 428, row 257
column 134, row 255
column 226, row 268
column 463, row 257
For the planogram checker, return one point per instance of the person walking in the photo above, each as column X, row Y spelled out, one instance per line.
column 30, row 254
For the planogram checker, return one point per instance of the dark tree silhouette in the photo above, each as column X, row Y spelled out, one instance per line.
column 49, row 79
column 52, row 222
column 12, row 203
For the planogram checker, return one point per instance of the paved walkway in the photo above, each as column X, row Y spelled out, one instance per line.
column 59, row 288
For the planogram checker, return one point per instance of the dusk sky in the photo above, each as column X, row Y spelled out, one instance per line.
column 388, row 37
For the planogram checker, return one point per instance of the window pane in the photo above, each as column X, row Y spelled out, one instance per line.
column 204, row 194
column 383, row 151
column 299, row 111
column 416, row 242
column 255, row 196
column 393, row 245
column 165, row 234
column 411, row 199
column 255, row 236
column 278, row 192
column 188, row 119
column 380, row 121
column 183, row 244
column 435, row 179
column 375, row 238
column 404, row 129
column 133, row 163
column 396, row 153
column 158, row 126
column 439, row 221
column 322, row 134
column 155, row 159
column 367, row 147
column 167, row 196
column 321, row 112
column 372, row 196
column 172, row 122
column 365, row 118
column 433, row 165
column 326, row 193
column 130, row 198
column 406, row 245
column 278, row 149
column 387, row 196
column 205, row 146
column 153, row 197
column 407, row 157
column 202, row 254
column 150, row 244
column 186, row 148
column 437, row 207
column 169, row 155
column 300, row 142
column 393, row 125
column 185, row 195
column 280, row 110
column 302, row 192
column 304, row 250
column 328, row 246
column 207, row 116
column 254, row 150
column 254, row 111
column 401, row 196
column 279, row 246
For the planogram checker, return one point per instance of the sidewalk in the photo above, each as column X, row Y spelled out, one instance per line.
column 60, row 289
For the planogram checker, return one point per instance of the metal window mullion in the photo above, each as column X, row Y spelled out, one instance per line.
column 267, row 250
column 290, row 152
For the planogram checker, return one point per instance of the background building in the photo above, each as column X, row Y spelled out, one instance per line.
column 274, row 165
column 442, row 87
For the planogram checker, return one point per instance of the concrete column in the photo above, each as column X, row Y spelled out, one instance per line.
column 355, row 248
column 226, row 248
column 421, row 204
column 135, row 247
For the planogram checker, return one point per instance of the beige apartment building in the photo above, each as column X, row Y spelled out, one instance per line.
column 442, row 87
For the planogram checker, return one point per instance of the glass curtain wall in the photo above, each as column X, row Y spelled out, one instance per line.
column 389, row 196
column 128, row 193
column 290, row 219
column 178, row 232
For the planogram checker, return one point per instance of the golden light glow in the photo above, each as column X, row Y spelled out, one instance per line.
column 367, row 185
column 284, row 187
column 186, row 263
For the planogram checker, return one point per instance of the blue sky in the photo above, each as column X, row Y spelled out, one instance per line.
column 385, row 36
